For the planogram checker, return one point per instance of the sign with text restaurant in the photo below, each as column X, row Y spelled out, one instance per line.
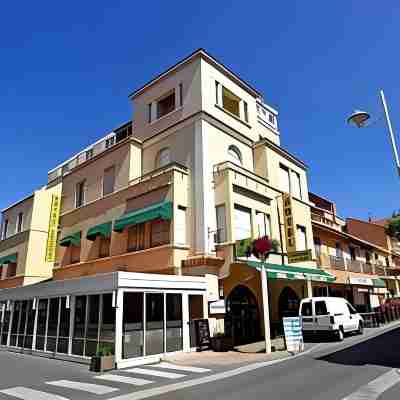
column 53, row 229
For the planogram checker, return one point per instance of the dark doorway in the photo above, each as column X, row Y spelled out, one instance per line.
column 242, row 320
column 288, row 303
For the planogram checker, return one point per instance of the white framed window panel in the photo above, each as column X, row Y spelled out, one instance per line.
column 242, row 223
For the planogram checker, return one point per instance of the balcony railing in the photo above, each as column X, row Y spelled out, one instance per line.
column 337, row 263
column 326, row 221
column 355, row 266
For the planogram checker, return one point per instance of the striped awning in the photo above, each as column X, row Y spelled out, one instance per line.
column 277, row 271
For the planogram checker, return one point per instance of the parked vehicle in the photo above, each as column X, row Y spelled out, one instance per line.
column 389, row 303
column 333, row 315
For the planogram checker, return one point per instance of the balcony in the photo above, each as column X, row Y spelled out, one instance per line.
column 328, row 220
column 342, row 264
column 337, row 263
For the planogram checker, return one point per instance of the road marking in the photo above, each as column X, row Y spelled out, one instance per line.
column 24, row 393
column 187, row 368
column 161, row 374
column 375, row 388
column 85, row 387
column 124, row 379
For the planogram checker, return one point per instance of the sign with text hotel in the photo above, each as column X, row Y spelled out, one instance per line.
column 290, row 231
column 53, row 229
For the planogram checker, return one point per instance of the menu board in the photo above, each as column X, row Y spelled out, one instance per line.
column 202, row 329
column 293, row 334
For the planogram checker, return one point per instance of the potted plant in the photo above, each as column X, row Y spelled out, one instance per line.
column 220, row 342
column 103, row 360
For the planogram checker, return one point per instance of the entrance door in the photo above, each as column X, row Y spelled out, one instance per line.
column 196, row 311
column 242, row 321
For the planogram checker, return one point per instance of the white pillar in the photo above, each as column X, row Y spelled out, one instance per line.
column 185, row 322
column 10, row 323
column 396, row 282
column 72, row 302
column 265, row 300
column 309, row 288
column 119, row 312
column 205, row 306
column 36, row 304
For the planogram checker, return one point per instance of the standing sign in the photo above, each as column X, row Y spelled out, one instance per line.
column 202, row 329
column 290, row 231
column 53, row 228
column 293, row 334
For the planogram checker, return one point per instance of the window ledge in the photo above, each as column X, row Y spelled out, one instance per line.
column 166, row 115
column 233, row 116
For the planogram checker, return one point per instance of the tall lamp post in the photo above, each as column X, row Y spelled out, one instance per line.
column 360, row 118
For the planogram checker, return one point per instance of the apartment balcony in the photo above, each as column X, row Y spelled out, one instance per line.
column 14, row 241
column 380, row 270
column 342, row 264
column 328, row 220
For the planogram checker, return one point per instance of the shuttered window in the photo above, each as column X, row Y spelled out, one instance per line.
column 136, row 237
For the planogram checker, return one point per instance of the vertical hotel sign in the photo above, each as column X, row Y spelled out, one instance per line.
column 53, row 229
column 290, row 231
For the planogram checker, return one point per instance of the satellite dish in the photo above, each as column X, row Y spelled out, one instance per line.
column 358, row 118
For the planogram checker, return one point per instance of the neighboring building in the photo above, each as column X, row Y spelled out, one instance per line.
column 155, row 216
column 26, row 249
column 355, row 253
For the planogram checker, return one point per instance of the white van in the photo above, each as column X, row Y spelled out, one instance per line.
column 330, row 315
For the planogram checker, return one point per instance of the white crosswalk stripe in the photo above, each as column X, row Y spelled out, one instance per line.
column 124, row 379
column 83, row 386
column 24, row 393
column 186, row 368
column 160, row 374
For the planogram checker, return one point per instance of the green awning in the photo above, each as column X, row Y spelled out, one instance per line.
column 156, row 211
column 103, row 230
column 71, row 240
column 379, row 283
column 276, row 271
column 12, row 258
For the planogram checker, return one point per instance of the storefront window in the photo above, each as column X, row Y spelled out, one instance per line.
column 107, row 329
column 15, row 323
column 30, row 324
column 174, row 332
column 63, row 331
column 5, row 327
column 154, row 323
column 52, row 325
column 79, row 326
column 133, row 325
column 41, row 324
column 92, row 331
column 22, row 322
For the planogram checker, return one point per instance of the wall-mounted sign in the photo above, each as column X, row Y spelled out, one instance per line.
column 53, row 228
column 290, row 231
column 300, row 256
column 361, row 281
column 218, row 307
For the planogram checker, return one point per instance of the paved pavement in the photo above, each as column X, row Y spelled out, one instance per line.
column 359, row 372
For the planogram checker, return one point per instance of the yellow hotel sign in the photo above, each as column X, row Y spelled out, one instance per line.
column 53, row 229
column 290, row 231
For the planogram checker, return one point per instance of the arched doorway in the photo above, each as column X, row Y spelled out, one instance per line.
column 288, row 303
column 242, row 320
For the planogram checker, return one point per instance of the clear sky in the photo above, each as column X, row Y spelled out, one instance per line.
column 66, row 69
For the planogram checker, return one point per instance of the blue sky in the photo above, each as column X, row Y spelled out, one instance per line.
column 67, row 68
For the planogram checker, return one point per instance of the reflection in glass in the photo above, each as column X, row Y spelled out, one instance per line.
column 6, row 325
column 154, row 323
column 52, row 325
column 22, row 321
column 174, row 322
column 92, row 330
column 30, row 324
column 15, row 322
column 79, row 325
column 41, row 324
column 132, row 325
column 63, row 332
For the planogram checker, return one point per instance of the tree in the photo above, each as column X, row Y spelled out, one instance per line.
column 393, row 228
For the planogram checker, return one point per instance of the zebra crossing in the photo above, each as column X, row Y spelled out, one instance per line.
column 110, row 384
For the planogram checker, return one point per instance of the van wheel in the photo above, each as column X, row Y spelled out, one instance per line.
column 360, row 329
column 340, row 334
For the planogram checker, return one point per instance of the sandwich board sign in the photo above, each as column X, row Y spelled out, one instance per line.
column 293, row 334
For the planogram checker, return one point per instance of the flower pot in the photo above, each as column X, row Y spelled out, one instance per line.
column 221, row 343
column 101, row 363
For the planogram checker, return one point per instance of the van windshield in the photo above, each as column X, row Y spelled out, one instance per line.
column 306, row 309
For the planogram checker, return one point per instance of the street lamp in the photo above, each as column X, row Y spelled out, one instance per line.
column 360, row 118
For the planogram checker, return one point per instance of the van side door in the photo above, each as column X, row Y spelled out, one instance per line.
column 322, row 317
column 353, row 317
column 307, row 316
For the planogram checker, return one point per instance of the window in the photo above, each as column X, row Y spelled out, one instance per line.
column 159, row 232
column 174, row 323
column 271, row 119
column 163, row 157
column 306, row 309
column 352, row 251
column 180, row 225
column 217, row 89
column 352, row 310
column 367, row 257
column 221, row 224
column 110, row 142
column 5, row 229
column 246, row 111
column 132, row 325
column 296, row 184
column 387, row 261
column 109, row 181
column 301, row 238
column 20, row 222
column 234, row 155
column 317, row 245
column 339, row 251
column 79, row 326
column 80, row 194
column 75, row 252
column 166, row 104
column 320, row 308
column 230, row 102
column 89, row 154
column 104, row 247
column 136, row 237
column 284, row 178
column 263, row 224
column 149, row 108
column 242, row 223
column 180, row 95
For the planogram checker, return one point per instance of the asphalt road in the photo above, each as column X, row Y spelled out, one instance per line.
column 363, row 371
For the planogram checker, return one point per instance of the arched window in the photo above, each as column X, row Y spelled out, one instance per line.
column 163, row 157
column 234, row 155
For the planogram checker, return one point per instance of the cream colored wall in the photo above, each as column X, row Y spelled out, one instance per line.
column 135, row 161
column 251, row 129
column 189, row 76
column 11, row 215
column 93, row 173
